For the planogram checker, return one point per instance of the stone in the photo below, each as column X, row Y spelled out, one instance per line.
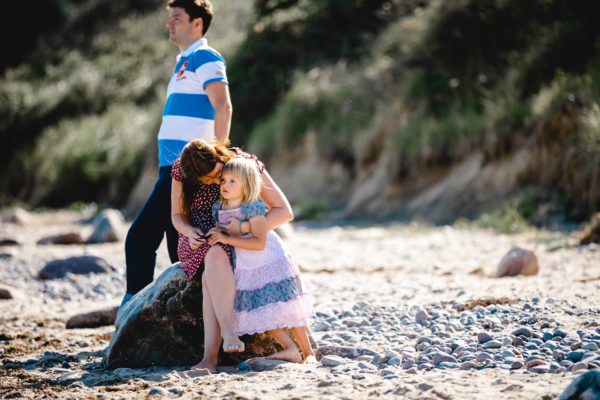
column 5, row 294
column 591, row 233
column 17, row 216
column 575, row 356
column 63, row 238
column 162, row 325
column 80, row 265
column 439, row 358
column 108, row 226
column 264, row 364
column 343, row 351
column 321, row 327
column 422, row 316
column 523, row 331
column 483, row 337
column 579, row 366
column 8, row 242
column 585, row 386
column 492, row 344
column 518, row 261
column 93, row 319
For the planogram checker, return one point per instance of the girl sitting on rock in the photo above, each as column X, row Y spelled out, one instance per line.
column 269, row 294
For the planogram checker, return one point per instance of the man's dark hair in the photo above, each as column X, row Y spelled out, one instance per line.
column 195, row 9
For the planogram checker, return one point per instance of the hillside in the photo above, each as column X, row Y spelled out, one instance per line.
column 396, row 108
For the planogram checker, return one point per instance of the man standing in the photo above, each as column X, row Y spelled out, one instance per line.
column 198, row 106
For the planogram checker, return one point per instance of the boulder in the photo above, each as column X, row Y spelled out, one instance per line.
column 93, row 319
column 81, row 265
column 591, row 233
column 162, row 326
column 518, row 261
column 584, row 387
column 107, row 227
column 63, row 238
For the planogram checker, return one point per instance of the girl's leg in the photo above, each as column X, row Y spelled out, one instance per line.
column 221, row 287
column 212, row 333
column 290, row 351
column 300, row 334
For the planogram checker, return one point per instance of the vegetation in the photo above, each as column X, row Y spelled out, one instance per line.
column 420, row 83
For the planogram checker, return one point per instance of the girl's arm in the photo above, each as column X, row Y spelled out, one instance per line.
column 256, row 242
column 180, row 220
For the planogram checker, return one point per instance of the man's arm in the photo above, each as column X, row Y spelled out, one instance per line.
column 218, row 94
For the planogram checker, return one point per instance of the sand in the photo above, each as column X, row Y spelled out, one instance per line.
column 367, row 280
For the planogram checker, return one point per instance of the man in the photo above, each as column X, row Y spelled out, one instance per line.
column 198, row 106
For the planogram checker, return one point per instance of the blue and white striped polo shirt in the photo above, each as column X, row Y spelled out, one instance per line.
column 188, row 113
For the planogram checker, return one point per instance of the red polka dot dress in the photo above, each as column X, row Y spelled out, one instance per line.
column 201, row 217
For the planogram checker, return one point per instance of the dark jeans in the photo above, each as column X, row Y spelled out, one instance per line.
column 146, row 233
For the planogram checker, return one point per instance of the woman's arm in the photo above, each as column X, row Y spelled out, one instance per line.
column 180, row 220
column 257, row 241
column 280, row 211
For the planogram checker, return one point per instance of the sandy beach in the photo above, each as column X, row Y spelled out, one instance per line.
column 412, row 302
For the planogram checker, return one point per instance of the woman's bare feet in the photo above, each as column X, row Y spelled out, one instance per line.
column 291, row 354
column 232, row 344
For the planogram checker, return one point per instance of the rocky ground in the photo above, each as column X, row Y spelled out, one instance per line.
column 403, row 310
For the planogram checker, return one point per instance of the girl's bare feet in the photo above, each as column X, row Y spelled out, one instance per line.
column 232, row 344
column 291, row 354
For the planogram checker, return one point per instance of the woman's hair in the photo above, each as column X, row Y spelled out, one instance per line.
column 245, row 169
column 199, row 158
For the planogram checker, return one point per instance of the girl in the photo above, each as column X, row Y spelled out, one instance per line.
column 269, row 292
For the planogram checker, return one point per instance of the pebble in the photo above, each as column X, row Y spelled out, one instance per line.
column 580, row 366
column 492, row 344
column 333, row 361
column 483, row 337
column 157, row 391
column 422, row 316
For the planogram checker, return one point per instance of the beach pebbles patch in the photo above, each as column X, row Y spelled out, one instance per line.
column 63, row 238
column 518, row 261
column 162, row 326
column 108, row 227
column 81, row 265
column 93, row 319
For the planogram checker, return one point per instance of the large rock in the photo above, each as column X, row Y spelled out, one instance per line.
column 107, row 227
column 584, row 387
column 162, row 326
column 518, row 261
column 591, row 233
column 93, row 319
column 81, row 265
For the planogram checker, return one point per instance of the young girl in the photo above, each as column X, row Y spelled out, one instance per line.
column 269, row 295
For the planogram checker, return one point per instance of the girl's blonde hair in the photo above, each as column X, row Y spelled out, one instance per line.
column 246, row 170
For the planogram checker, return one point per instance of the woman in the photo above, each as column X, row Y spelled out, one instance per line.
column 195, row 188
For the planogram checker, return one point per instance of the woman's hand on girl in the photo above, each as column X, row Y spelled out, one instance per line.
column 217, row 236
column 196, row 238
